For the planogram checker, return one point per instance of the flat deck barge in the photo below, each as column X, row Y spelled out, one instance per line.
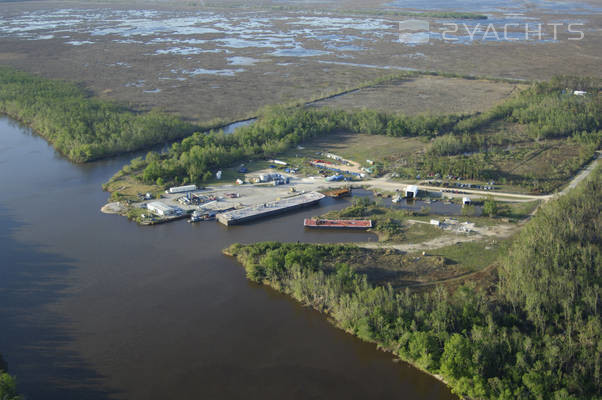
column 264, row 210
column 338, row 223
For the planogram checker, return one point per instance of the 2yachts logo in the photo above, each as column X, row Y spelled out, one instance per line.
column 419, row 32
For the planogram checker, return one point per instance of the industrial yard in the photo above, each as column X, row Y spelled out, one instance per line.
column 310, row 168
column 266, row 193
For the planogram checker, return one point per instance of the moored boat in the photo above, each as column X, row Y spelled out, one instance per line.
column 198, row 216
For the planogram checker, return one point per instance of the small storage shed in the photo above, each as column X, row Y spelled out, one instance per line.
column 411, row 191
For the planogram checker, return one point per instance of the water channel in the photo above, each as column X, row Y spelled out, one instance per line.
column 94, row 306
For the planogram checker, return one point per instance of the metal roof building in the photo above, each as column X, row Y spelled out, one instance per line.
column 160, row 208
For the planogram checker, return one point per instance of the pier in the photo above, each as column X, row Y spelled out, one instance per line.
column 267, row 209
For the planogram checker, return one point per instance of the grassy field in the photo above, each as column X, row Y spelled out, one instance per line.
column 355, row 147
column 427, row 95
column 123, row 186
column 362, row 147
column 473, row 256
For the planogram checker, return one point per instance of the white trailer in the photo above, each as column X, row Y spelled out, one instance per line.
column 182, row 189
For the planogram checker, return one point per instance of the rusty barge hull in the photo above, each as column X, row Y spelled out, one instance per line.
column 337, row 223
column 338, row 193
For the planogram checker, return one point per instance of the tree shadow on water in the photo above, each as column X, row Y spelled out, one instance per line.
column 33, row 339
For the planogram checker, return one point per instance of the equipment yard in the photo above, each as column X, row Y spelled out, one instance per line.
column 227, row 197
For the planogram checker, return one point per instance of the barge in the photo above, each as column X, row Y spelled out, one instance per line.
column 338, row 223
column 338, row 193
column 252, row 213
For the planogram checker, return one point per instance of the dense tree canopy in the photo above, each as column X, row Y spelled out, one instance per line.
column 79, row 126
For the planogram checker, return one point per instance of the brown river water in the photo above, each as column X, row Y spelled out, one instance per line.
column 93, row 306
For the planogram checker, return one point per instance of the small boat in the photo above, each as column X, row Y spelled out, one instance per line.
column 198, row 216
column 396, row 199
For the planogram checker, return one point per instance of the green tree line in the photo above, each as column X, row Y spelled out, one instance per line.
column 81, row 127
column 277, row 129
column 535, row 335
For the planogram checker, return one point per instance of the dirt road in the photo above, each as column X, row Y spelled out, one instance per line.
column 385, row 184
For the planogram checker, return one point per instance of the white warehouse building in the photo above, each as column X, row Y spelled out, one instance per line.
column 160, row 208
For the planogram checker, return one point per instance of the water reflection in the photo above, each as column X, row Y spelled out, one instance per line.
column 34, row 338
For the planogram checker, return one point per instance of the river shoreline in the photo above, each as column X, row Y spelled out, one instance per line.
column 332, row 322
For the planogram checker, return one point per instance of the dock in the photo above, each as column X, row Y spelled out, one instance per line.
column 268, row 209
column 338, row 223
